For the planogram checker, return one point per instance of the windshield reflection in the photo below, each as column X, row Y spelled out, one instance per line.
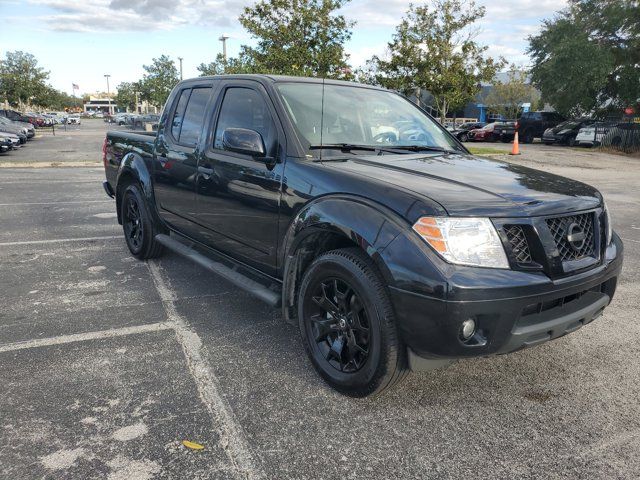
column 352, row 116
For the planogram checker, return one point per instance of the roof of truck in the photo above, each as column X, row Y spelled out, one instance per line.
column 285, row 78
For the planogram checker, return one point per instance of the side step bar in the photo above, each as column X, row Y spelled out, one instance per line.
column 251, row 286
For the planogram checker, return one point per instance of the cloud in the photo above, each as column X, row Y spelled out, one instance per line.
column 137, row 15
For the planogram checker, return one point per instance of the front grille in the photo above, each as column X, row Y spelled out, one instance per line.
column 518, row 242
column 559, row 228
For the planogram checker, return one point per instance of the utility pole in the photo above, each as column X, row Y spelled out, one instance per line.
column 180, row 58
column 223, row 38
column 108, row 92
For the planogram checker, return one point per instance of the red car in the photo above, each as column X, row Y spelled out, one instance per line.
column 484, row 134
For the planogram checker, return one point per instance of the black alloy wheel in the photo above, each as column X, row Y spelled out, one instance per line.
column 132, row 223
column 340, row 324
column 464, row 137
column 348, row 325
column 139, row 227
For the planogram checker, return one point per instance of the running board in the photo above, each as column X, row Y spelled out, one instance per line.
column 251, row 286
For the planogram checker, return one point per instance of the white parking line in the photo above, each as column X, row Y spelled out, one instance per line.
column 53, row 203
column 223, row 419
column 81, row 337
column 58, row 240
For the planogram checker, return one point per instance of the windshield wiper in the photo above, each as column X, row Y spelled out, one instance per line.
column 348, row 147
column 344, row 147
column 421, row 148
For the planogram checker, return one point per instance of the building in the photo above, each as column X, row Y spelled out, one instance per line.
column 98, row 104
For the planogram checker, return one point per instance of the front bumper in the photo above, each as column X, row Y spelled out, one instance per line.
column 509, row 317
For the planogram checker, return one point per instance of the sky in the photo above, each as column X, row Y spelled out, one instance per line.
column 79, row 41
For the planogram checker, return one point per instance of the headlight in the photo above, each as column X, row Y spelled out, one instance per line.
column 464, row 241
column 607, row 219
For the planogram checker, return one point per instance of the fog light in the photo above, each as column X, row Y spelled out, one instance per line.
column 468, row 329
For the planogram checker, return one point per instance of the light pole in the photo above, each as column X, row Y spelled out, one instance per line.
column 108, row 92
column 223, row 38
column 180, row 58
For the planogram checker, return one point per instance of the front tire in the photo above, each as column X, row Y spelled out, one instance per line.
column 138, row 225
column 348, row 326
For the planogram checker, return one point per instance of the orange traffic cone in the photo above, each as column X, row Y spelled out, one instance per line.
column 516, row 148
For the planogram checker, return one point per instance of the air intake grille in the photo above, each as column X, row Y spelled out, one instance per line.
column 560, row 228
column 518, row 242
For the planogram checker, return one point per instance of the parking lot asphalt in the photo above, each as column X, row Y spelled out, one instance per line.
column 107, row 364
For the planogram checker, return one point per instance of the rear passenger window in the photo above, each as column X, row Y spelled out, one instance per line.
column 245, row 108
column 194, row 116
column 176, row 121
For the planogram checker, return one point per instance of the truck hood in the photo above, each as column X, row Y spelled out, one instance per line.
column 467, row 185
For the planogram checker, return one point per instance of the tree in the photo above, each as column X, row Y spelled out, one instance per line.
column 434, row 49
column 232, row 65
column 159, row 79
column 506, row 98
column 295, row 37
column 21, row 79
column 587, row 58
column 126, row 96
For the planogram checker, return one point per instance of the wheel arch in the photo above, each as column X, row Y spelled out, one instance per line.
column 331, row 222
column 133, row 168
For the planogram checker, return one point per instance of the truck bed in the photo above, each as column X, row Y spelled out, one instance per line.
column 119, row 143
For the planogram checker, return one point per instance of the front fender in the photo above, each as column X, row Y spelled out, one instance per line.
column 369, row 225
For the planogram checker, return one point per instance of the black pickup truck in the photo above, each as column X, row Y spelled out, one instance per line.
column 373, row 228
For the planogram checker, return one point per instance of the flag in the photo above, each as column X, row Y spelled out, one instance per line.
column 75, row 87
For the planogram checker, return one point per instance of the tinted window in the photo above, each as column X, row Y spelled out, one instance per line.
column 194, row 116
column 176, row 122
column 245, row 108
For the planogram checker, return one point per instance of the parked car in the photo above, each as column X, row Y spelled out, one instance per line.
column 591, row 135
column 19, row 117
column 74, row 119
column 462, row 131
column 5, row 144
column 484, row 134
column 10, row 140
column 20, row 132
column 22, row 127
column 504, row 131
column 376, row 232
column 564, row 133
column 532, row 125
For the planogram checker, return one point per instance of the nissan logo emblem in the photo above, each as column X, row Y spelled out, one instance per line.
column 576, row 236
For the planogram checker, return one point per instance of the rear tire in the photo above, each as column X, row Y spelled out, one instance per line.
column 139, row 228
column 527, row 137
column 348, row 325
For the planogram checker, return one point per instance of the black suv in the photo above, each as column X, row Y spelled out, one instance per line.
column 376, row 232
column 533, row 124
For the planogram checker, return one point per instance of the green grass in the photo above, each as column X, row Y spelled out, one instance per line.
column 488, row 151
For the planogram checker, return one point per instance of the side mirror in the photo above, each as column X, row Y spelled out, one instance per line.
column 243, row 140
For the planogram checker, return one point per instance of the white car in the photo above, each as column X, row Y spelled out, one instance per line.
column 593, row 134
column 73, row 119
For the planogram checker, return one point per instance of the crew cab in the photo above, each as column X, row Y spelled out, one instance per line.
column 377, row 233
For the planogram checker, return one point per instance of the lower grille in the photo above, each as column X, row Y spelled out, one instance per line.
column 518, row 242
column 562, row 227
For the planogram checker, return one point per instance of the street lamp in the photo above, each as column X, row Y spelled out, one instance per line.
column 180, row 58
column 108, row 92
column 223, row 38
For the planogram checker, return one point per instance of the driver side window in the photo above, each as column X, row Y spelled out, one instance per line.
column 245, row 108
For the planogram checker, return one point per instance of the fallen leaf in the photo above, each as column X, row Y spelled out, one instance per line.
column 192, row 445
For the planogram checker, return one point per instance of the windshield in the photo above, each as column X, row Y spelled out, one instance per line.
column 359, row 116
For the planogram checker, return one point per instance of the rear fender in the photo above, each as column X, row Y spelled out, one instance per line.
column 134, row 168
